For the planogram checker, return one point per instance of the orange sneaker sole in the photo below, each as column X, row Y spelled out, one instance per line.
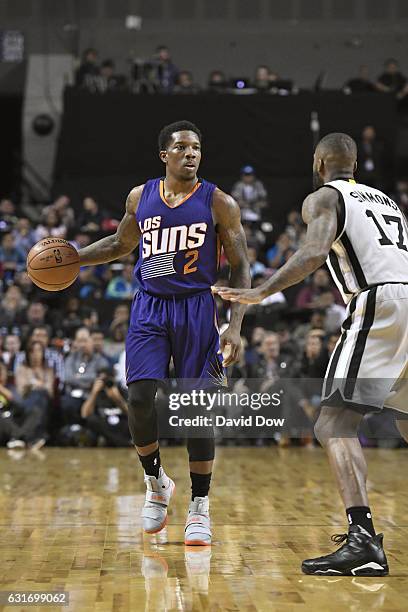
column 196, row 543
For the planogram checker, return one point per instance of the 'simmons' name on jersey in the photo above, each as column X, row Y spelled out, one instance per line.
column 367, row 196
column 156, row 240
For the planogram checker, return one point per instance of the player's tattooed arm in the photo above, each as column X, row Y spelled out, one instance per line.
column 117, row 245
column 320, row 215
column 227, row 217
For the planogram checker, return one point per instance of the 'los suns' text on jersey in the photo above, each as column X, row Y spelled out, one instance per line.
column 157, row 240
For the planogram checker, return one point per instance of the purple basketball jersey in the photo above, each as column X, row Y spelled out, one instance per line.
column 178, row 251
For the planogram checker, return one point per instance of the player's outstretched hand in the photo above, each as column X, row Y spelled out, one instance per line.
column 244, row 296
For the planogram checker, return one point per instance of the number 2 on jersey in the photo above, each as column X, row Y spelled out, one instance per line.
column 194, row 256
column 385, row 240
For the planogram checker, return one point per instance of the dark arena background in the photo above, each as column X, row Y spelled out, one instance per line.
column 85, row 88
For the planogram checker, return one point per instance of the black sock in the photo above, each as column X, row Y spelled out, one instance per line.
column 361, row 515
column 200, row 485
column 151, row 463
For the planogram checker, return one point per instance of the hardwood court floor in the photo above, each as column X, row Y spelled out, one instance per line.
column 69, row 520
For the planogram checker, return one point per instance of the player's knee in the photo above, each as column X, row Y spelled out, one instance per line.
column 327, row 425
column 201, row 449
column 141, row 397
column 322, row 431
column 336, row 423
column 141, row 412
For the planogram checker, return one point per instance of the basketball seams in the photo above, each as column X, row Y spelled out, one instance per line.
column 41, row 281
column 57, row 285
column 72, row 263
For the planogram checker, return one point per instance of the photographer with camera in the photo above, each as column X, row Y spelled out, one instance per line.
column 105, row 411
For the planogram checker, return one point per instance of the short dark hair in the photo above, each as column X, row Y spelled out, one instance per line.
column 339, row 145
column 178, row 126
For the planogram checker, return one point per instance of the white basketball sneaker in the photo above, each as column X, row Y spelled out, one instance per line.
column 198, row 525
column 158, row 494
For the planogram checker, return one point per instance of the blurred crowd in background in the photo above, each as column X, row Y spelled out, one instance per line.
column 62, row 355
column 161, row 75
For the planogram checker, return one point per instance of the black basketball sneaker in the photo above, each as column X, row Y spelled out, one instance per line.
column 361, row 555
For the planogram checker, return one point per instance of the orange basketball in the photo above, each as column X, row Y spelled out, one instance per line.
column 53, row 264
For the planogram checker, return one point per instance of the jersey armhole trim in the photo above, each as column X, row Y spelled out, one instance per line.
column 341, row 213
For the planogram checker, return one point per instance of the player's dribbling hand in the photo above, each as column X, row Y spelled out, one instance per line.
column 230, row 347
column 244, row 296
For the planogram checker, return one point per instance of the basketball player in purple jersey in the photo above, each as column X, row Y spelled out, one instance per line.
column 178, row 223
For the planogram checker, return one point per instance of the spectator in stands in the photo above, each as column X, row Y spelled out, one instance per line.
column 90, row 318
column 120, row 315
column 185, row 83
column 81, row 368
column 71, row 316
column 217, row 82
column 105, row 411
column 35, row 316
column 122, row 287
column 288, row 345
column 167, row 71
column 51, row 227
column 12, row 346
column 8, row 215
column 279, row 85
column 12, row 258
column 98, row 339
column 24, row 236
column 53, row 358
column 254, row 236
column 316, row 325
column 89, row 285
column 9, row 430
column 295, row 227
column 360, row 83
column 392, row 80
column 256, row 267
column 253, row 351
column 64, row 211
column 12, row 307
column 276, row 254
column 108, row 79
column 115, row 342
column 370, row 167
column 278, row 299
column 331, row 342
column 91, row 218
column 271, row 365
column 315, row 358
column 250, row 194
column 88, row 72
column 35, row 383
column 81, row 240
column 25, row 284
column 311, row 372
column 335, row 314
column 310, row 296
column 262, row 80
